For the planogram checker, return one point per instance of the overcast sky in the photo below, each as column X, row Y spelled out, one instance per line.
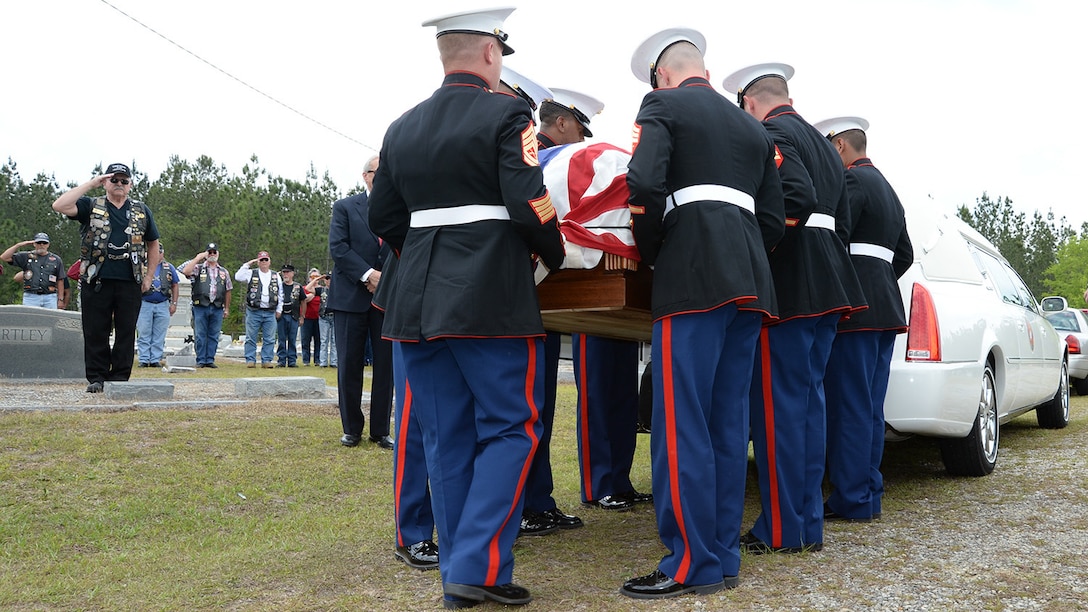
column 962, row 96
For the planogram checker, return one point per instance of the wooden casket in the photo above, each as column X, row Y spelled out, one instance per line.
column 612, row 301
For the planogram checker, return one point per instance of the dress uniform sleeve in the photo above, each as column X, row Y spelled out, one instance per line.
column 904, row 253
column 522, row 183
column 851, row 208
column 798, row 190
column 389, row 217
column 647, row 174
column 770, row 210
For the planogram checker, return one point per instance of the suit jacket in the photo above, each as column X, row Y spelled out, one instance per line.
column 705, row 253
column 354, row 250
column 464, row 146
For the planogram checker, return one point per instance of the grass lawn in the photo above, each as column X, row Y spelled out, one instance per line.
column 258, row 507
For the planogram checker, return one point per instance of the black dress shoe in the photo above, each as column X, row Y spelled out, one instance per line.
column 95, row 387
column 831, row 515
column 639, row 498
column 384, row 441
column 210, row 365
column 450, row 602
column 536, row 524
column 612, row 502
column 350, row 440
column 754, row 546
column 659, row 586
column 201, row 365
column 421, row 555
column 563, row 520
column 509, row 593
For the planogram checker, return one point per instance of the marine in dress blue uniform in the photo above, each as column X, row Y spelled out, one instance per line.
column 706, row 206
column 460, row 197
column 540, row 514
column 860, row 363
column 816, row 285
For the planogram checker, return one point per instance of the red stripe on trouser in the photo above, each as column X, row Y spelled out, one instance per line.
column 583, row 402
column 534, row 415
column 401, row 446
column 768, row 423
column 670, row 437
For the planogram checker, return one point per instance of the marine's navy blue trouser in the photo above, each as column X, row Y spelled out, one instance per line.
column 702, row 368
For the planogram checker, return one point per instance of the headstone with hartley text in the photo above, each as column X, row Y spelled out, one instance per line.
column 40, row 343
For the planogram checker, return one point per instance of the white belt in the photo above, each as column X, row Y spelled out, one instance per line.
column 713, row 193
column 821, row 220
column 459, row 215
column 871, row 250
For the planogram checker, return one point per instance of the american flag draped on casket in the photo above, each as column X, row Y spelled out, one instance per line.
column 601, row 289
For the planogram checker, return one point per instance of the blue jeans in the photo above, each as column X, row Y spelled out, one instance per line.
column 151, row 330
column 311, row 335
column 326, row 354
column 45, row 300
column 286, row 334
column 207, row 326
column 261, row 322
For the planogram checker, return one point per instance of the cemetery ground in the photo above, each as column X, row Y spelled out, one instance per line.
column 256, row 506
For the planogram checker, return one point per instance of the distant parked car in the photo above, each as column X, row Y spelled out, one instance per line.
column 1074, row 324
column 979, row 351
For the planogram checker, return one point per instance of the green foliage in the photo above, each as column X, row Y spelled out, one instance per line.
column 1069, row 274
column 1032, row 248
column 193, row 203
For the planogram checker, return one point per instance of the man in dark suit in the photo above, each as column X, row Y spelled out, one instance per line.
column 461, row 197
column 358, row 255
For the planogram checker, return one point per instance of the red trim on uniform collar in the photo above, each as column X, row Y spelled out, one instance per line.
column 694, row 81
column 771, row 114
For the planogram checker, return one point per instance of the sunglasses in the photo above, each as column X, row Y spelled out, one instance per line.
column 263, row 259
column 41, row 242
column 117, row 180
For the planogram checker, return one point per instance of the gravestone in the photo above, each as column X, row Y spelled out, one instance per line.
column 281, row 387
column 181, row 322
column 40, row 343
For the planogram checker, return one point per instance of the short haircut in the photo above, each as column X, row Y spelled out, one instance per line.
column 683, row 54
column 459, row 46
column 373, row 158
column 855, row 138
column 550, row 112
column 768, row 88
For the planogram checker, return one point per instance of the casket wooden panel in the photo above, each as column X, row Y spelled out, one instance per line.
column 609, row 303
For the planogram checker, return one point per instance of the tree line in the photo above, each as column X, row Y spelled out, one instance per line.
column 198, row 202
column 193, row 203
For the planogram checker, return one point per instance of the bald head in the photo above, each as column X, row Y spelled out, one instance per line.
column 679, row 62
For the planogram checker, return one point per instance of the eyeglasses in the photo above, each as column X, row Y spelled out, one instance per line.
column 117, row 180
column 369, row 171
column 40, row 242
column 263, row 259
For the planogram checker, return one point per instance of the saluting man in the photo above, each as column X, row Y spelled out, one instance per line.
column 860, row 363
column 706, row 227
column 460, row 197
column 816, row 285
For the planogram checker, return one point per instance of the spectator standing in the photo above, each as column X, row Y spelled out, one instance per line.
column 120, row 242
column 288, row 323
column 358, row 255
column 43, row 273
column 263, row 305
column 160, row 302
column 325, row 324
column 211, row 302
column 311, row 313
